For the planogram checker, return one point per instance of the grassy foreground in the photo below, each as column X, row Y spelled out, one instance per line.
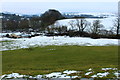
column 48, row 59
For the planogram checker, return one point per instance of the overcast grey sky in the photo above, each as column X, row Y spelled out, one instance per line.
column 59, row 0
column 40, row 7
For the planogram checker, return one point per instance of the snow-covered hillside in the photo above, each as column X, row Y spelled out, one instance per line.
column 108, row 20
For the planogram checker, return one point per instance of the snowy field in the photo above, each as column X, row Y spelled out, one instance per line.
column 11, row 44
column 107, row 22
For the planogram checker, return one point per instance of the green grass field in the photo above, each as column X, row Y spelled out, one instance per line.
column 41, row 60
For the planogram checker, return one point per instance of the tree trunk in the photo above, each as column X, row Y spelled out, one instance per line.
column 118, row 27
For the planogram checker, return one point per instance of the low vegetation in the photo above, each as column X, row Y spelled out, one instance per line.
column 42, row 60
column 6, row 41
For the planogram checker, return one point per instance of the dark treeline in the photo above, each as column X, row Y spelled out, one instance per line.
column 15, row 22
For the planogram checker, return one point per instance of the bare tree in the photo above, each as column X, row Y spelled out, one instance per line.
column 117, row 26
column 72, row 24
column 58, row 27
column 81, row 24
column 96, row 28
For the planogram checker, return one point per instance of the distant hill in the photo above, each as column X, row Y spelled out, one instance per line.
column 50, row 16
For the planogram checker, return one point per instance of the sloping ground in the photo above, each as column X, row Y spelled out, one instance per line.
column 7, row 44
column 103, row 60
column 107, row 22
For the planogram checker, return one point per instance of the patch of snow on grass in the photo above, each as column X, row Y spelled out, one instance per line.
column 102, row 74
column 64, row 74
column 88, row 73
column 117, row 74
column 90, row 69
column 55, row 74
column 38, row 76
column 58, row 40
column 106, row 69
column 94, row 76
column 13, row 75
column 3, row 76
column 69, row 72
